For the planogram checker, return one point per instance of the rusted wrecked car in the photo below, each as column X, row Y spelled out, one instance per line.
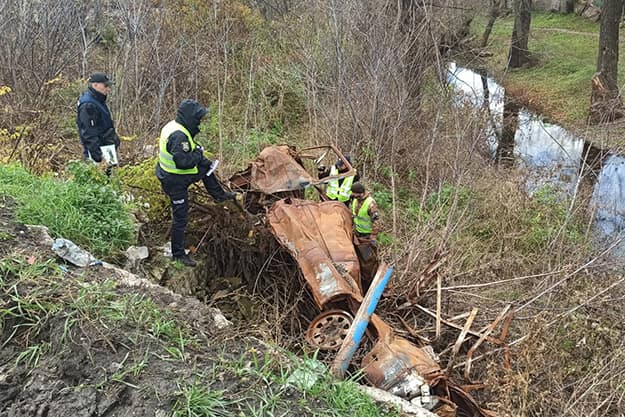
column 319, row 236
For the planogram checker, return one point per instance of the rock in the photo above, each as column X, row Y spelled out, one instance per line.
column 195, row 310
column 406, row 408
column 137, row 253
column 41, row 235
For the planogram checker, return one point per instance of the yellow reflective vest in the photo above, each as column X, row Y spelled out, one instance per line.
column 165, row 159
column 341, row 193
column 362, row 220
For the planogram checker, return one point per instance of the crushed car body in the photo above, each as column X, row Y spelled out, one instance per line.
column 319, row 235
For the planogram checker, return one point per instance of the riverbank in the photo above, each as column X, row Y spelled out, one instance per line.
column 564, row 53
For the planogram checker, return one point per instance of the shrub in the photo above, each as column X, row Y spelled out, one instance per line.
column 140, row 181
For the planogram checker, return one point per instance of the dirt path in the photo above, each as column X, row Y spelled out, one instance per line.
column 569, row 31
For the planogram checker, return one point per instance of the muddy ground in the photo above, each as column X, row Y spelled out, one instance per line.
column 99, row 341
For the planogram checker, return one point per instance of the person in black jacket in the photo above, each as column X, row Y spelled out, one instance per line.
column 181, row 163
column 93, row 118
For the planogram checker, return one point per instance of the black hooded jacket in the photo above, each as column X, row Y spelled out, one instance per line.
column 190, row 114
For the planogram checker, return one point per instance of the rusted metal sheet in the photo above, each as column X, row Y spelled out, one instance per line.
column 276, row 169
column 280, row 168
column 319, row 236
column 393, row 361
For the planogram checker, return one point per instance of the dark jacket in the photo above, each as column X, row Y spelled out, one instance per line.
column 189, row 114
column 95, row 125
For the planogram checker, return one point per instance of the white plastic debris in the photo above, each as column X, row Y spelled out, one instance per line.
column 305, row 376
column 137, row 253
column 167, row 250
column 71, row 252
column 410, row 385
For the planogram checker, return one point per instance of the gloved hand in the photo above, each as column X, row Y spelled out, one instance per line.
column 95, row 153
column 204, row 163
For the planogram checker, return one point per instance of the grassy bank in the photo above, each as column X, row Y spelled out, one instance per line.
column 564, row 49
column 101, row 346
column 85, row 208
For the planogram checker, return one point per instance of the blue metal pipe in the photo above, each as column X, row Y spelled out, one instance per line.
column 361, row 321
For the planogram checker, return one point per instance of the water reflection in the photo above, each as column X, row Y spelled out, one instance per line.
column 551, row 155
column 608, row 196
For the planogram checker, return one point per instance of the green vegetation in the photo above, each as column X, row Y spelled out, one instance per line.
column 309, row 378
column 140, row 181
column 544, row 218
column 84, row 209
column 564, row 48
column 196, row 401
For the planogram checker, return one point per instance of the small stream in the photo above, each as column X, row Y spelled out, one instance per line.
column 550, row 154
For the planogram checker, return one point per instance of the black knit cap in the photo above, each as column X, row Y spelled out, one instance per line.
column 100, row 77
column 358, row 188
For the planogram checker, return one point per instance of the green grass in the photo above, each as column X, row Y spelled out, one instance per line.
column 280, row 373
column 36, row 294
column 195, row 400
column 558, row 85
column 85, row 209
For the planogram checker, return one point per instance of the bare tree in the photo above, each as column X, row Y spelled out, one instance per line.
column 519, row 50
column 495, row 10
column 605, row 100
column 38, row 41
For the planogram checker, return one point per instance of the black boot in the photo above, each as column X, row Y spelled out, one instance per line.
column 185, row 260
column 227, row 195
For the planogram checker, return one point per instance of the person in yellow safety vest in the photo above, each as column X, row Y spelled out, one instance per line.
column 181, row 163
column 364, row 212
column 340, row 190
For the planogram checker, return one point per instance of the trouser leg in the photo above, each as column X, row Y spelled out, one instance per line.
column 213, row 187
column 176, row 190
column 180, row 218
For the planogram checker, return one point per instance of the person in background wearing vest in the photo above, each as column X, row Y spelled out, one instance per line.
column 365, row 214
column 181, row 163
column 93, row 118
column 340, row 190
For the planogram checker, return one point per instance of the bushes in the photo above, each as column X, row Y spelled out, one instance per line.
column 85, row 210
column 141, row 182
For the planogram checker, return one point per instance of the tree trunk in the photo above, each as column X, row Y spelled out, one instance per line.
column 519, row 52
column 605, row 100
column 495, row 10
column 569, row 6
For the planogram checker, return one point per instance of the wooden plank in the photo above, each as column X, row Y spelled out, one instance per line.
column 485, row 334
column 462, row 336
column 448, row 323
